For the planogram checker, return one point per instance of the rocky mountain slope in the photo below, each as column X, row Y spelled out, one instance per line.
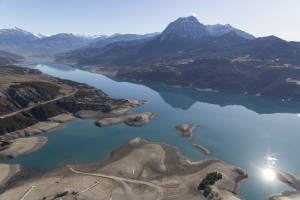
column 190, row 54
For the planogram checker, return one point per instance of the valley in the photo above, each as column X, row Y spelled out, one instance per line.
column 116, row 114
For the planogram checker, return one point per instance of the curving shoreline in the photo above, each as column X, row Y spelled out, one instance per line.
column 137, row 169
column 23, row 146
column 7, row 172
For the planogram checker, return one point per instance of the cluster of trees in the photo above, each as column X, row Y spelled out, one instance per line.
column 46, row 90
column 210, row 179
column 15, row 122
column 5, row 143
column 25, row 119
column 45, row 111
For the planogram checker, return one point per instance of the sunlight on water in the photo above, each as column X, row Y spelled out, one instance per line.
column 268, row 174
column 298, row 115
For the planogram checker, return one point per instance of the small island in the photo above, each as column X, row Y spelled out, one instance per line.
column 136, row 119
column 186, row 130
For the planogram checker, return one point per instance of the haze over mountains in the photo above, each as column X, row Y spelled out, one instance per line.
column 20, row 41
column 187, row 53
column 187, row 39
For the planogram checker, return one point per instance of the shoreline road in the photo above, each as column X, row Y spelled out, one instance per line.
column 120, row 179
column 45, row 102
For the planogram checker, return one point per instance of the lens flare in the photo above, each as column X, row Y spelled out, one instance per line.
column 268, row 174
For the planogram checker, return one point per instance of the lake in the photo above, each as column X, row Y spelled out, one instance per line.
column 243, row 130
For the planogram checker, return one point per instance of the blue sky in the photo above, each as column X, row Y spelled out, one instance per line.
column 258, row 17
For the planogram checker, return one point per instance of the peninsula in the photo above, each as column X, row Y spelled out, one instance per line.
column 138, row 169
column 32, row 102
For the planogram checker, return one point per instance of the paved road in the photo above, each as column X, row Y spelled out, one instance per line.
column 45, row 102
column 115, row 178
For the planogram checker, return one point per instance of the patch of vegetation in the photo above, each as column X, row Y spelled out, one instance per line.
column 44, row 88
column 72, row 105
column 210, row 179
column 61, row 194
column 45, row 111
column 16, row 122
column 5, row 143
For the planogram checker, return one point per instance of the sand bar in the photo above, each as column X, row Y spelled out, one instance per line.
column 202, row 149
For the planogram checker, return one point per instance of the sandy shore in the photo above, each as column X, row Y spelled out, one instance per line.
column 289, row 180
column 138, row 169
column 7, row 172
column 186, row 130
column 41, row 127
column 66, row 117
column 23, row 146
column 92, row 114
column 202, row 149
column 137, row 119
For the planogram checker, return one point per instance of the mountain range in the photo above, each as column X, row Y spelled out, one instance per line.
column 22, row 42
column 188, row 39
column 190, row 54
column 19, row 41
column 187, row 53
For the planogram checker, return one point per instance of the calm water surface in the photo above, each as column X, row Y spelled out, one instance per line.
column 246, row 131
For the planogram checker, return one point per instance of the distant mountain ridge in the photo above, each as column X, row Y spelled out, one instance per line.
column 8, row 58
column 19, row 41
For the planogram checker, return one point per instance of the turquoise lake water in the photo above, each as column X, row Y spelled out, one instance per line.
column 246, row 131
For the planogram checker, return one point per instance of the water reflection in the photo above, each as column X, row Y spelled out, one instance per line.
column 268, row 174
column 185, row 98
column 66, row 68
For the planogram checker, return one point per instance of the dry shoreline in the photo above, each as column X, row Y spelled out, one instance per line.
column 138, row 169
column 23, row 146
column 7, row 172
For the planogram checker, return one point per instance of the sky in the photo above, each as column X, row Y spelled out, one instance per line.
column 96, row 17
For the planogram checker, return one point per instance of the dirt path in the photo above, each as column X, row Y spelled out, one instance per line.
column 119, row 179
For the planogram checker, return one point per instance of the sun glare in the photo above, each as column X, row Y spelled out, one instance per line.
column 268, row 174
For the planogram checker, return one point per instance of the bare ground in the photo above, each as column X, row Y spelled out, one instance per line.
column 136, row 170
column 23, row 146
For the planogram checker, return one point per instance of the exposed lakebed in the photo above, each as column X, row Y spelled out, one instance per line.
column 239, row 129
